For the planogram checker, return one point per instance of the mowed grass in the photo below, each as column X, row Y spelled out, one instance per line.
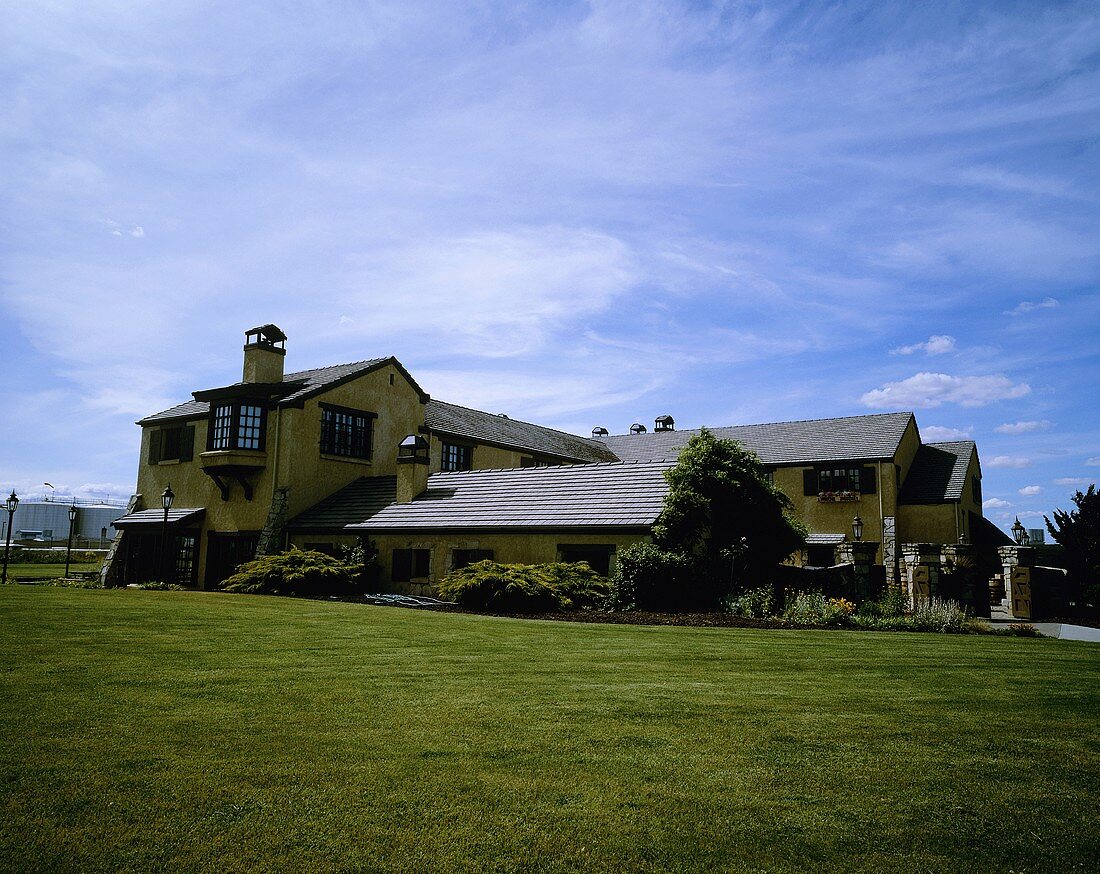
column 181, row 730
column 48, row 571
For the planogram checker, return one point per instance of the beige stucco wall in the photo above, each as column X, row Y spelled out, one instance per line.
column 485, row 457
column 524, row 548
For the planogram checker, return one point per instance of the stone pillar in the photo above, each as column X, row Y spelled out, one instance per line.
column 960, row 560
column 861, row 556
column 890, row 552
column 921, row 576
column 1017, row 562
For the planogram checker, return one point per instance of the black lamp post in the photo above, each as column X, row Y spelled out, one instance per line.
column 69, row 545
column 857, row 529
column 166, row 498
column 1019, row 533
column 10, row 504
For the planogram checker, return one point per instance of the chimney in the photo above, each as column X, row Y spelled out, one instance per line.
column 264, row 351
column 599, row 431
column 664, row 423
column 412, row 468
column 637, row 428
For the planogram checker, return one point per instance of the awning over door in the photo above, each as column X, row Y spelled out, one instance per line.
column 150, row 519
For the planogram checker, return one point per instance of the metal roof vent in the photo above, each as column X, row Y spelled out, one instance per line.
column 599, row 431
column 664, row 423
column 637, row 428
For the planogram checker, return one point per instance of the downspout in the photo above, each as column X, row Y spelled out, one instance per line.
column 881, row 514
column 958, row 510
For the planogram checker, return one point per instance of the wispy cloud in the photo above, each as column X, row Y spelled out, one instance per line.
column 1031, row 491
column 1013, row 461
column 1093, row 462
column 938, row 433
column 1072, row 481
column 927, row 390
column 1027, row 306
column 995, row 504
column 937, row 344
column 1026, row 427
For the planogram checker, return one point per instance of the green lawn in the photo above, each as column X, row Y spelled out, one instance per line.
column 183, row 730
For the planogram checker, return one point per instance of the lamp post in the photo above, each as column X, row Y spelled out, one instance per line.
column 10, row 504
column 102, row 536
column 166, row 499
column 857, row 529
column 1019, row 533
column 69, row 545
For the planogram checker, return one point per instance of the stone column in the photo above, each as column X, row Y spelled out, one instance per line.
column 972, row 593
column 1016, row 563
column 920, row 579
column 861, row 556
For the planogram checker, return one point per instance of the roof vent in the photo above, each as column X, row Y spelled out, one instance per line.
column 637, row 428
column 599, row 431
column 664, row 423
column 502, row 416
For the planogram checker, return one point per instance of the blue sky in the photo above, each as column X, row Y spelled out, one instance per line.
column 577, row 213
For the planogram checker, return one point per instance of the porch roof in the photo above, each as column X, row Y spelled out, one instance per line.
column 178, row 517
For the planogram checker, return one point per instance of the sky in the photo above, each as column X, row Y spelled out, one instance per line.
column 577, row 213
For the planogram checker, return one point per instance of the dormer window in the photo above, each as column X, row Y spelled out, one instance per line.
column 237, row 425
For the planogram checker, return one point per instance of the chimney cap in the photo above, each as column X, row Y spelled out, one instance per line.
column 664, row 423
column 637, row 428
column 268, row 335
column 599, row 431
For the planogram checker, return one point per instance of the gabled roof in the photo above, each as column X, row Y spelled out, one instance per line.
column 457, row 421
column 292, row 391
column 355, row 502
column 849, row 438
column 938, row 473
column 590, row 496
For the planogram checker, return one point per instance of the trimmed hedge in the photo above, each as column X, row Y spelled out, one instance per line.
column 525, row 588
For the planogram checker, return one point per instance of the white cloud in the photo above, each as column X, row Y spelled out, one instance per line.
column 938, row 344
column 1093, row 462
column 1026, row 306
column 995, row 504
column 926, row 390
column 938, row 433
column 138, row 231
column 1029, row 491
column 1072, row 481
column 1022, row 427
column 1008, row 461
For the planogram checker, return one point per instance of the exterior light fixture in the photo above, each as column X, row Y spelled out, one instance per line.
column 1019, row 533
column 69, row 545
column 10, row 504
column 857, row 529
column 166, row 499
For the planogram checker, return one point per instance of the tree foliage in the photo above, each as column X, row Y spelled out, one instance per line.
column 1078, row 532
column 721, row 508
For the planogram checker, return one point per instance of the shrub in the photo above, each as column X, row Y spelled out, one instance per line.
column 21, row 555
column 753, row 604
column 297, row 572
column 525, row 588
column 892, row 604
column 156, row 586
column 651, row 578
column 936, row 614
column 813, row 608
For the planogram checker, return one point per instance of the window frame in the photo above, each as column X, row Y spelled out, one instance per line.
column 456, row 456
column 183, row 438
column 225, row 426
column 419, row 558
column 360, row 432
column 470, row 556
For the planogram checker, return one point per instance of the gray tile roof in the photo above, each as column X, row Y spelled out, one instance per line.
column 355, row 502
column 299, row 386
column 155, row 516
column 938, row 473
column 592, row 496
column 459, row 421
column 850, row 438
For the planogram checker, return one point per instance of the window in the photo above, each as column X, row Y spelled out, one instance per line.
column 237, row 425
column 172, row 444
column 456, row 457
column 839, row 478
column 326, row 548
column 976, row 488
column 185, row 560
column 527, row 461
column 460, row 558
column 409, row 564
column 597, row 556
column 769, row 476
column 346, row 432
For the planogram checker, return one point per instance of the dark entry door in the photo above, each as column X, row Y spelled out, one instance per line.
column 226, row 553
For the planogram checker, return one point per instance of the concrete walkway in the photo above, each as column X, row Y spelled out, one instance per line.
column 1061, row 630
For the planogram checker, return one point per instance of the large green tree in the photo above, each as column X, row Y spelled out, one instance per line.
column 1078, row 531
column 723, row 510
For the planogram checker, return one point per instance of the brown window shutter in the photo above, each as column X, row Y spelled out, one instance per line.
column 809, row 482
column 156, row 440
column 187, row 443
column 867, row 482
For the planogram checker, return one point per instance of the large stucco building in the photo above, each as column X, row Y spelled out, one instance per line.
column 323, row 457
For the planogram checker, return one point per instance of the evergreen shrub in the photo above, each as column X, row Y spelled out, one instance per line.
column 525, row 588
column 651, row 578
column 296, row 572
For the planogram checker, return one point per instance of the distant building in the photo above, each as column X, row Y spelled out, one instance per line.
column 320, row 458
column 44, row 521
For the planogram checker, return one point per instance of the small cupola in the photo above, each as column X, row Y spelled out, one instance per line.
column 664, row 423
column 637, row 428
column 599, row 431
column 412, row 467
column 264, row 354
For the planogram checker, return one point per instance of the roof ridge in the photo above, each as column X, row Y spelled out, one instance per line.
column 586, row 465
column 519, row 421
column 364, row 361
column 783, row 422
